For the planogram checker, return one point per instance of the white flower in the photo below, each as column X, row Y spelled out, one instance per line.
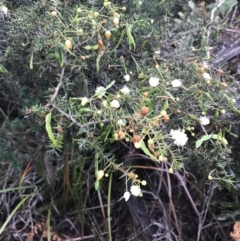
column 126, row 196
column 157, row 52
column 104, row 103
column 121, row 122
column 84, row 101
column 135, row 190
column 115, row 104
column 125, row 90
column 126, row 77
column 206, row 76
column 204, row 120
column 4, row 9
column 100, row 91
column 176, row 83
column 153, row 81
column 180, row 138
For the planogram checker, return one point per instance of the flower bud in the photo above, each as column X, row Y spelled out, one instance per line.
column 126, row 196
column 116, row 21
column 107, row 34
column 163, row 112
column 100, row 174
column 144, row 111
column 84, row 101
column 68, row 44
column 53, row 14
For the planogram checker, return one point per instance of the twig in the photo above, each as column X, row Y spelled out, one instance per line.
column 77, row 123
column 203, row 214
column 234, row 13
column 210, row 27
column 68, row 116
column 54, row 96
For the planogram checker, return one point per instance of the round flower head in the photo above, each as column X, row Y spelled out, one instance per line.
column 115, row 104
column 135, row 190
column 176, row 83
column 180, row 138
column 104, row 103
column 100, row 91
column 121, row 122
column 126, row 77
column 153, row 81
column 204, row 120
column 206, row 76
column 125, row 90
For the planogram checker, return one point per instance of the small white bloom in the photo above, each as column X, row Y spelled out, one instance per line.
column 126, row 196
column 135, row 190
column 137, row 145
column 206, row 76
column 204, row 120
column 153, row 81
column 180, row 138
column 125, row 90
column 176, row 83
column 121, row 122
column 126, row 77
column 100, row 90
column 100, row 174
column 84, row 101
column 104, row 103
column 4, row 9
column 115, row 104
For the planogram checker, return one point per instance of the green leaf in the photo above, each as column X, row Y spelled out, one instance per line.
column 31, row 62
column 3, row 70
column 216, row 115
column 200, row 141
column 227, row 6
column 130, row 37
column 96, row 185
column 145, row 150
column 84, row 110
column 98, row 62
column 58, row 56
column 165, row 106
column 209, row 96
column 212, row 136
column 171, row 96
column 88, row 47
column 233, row 107
column 95, row 47
column 105, row 89
column 105, row 134
column 148, row 103
column 206, row 137
column 220, row 138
